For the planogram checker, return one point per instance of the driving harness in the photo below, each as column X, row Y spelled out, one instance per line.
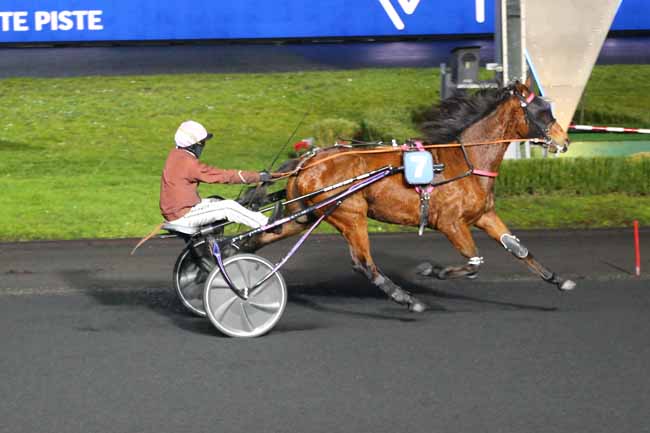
column 420, row 171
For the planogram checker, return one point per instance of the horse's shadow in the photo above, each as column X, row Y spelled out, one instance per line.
column 137, row 293
column 162, row 301
column 356, row 286
column 419, row 288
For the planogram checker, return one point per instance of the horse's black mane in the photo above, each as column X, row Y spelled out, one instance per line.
column 444, row 123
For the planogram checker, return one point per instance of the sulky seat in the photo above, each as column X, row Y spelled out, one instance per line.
column 177, row 228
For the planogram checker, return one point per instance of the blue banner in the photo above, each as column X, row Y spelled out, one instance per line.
column 633, row 15
column 28, row 21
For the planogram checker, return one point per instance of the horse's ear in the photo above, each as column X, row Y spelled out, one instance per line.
column 529, row 82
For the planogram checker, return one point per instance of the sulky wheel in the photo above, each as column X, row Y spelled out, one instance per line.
column 252, row 317
column 190, row 274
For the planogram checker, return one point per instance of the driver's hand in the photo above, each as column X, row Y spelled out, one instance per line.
column 265, row 176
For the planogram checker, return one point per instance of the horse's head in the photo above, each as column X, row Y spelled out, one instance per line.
column 538, row 119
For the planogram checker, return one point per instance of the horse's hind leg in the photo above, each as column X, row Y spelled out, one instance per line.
column 461, row 238
column 496, row 229
column 354, row 228
column 255, row 243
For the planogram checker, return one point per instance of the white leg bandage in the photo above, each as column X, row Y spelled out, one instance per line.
column 476, row 261
column 210, row 210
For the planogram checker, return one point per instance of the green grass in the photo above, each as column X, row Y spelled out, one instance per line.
column 607, row 148
column 616, row 95
column 574, row 176
column 570, row 211
column 608, row 136
column 81, row 157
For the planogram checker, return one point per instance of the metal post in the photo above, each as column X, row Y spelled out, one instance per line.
column 510, row 40
column 516, row 41
column 501, row 54
column 510, row 43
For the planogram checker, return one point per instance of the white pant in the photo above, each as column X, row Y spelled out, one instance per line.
column 212, row 209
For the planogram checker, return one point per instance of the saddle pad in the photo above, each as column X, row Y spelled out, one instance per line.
column 418, row 167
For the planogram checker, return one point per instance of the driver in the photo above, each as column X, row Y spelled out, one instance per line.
column 179, row 199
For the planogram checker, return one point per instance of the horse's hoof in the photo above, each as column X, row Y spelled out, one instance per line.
column 441, row 273
column 424, row 269
column 417, row 306
column 567, row 285
column 472, row 276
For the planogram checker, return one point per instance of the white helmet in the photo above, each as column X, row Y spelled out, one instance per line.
column 189, row 133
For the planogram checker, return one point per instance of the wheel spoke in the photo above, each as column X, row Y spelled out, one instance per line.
column 257, row 268
column 189, row 266
column 270, row 307
column 219, row 283
column 243, row 272
column 247, row 320
column 261, row 309
column 206, row 266
column 258, row 291
column 223, row 308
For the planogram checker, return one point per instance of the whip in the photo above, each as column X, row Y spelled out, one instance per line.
column 304, row 116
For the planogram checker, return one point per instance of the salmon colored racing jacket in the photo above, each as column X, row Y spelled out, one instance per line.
column 181, row 177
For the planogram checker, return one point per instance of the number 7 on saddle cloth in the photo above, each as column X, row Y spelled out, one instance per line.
column 418, row 167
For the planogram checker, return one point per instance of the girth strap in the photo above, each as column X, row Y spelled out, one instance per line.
column 425, row 196
column 424, row 191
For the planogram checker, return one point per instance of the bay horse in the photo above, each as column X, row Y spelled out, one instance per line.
column 512, row 113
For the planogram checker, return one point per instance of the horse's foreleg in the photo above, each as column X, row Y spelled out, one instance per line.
column 496, row 229
column 461, row 238
column 354, row 228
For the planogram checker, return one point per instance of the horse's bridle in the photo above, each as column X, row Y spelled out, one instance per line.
column 539, row 117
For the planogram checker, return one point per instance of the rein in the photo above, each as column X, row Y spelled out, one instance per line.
column 395, row 148
column 525, row 103
column 424, row 191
